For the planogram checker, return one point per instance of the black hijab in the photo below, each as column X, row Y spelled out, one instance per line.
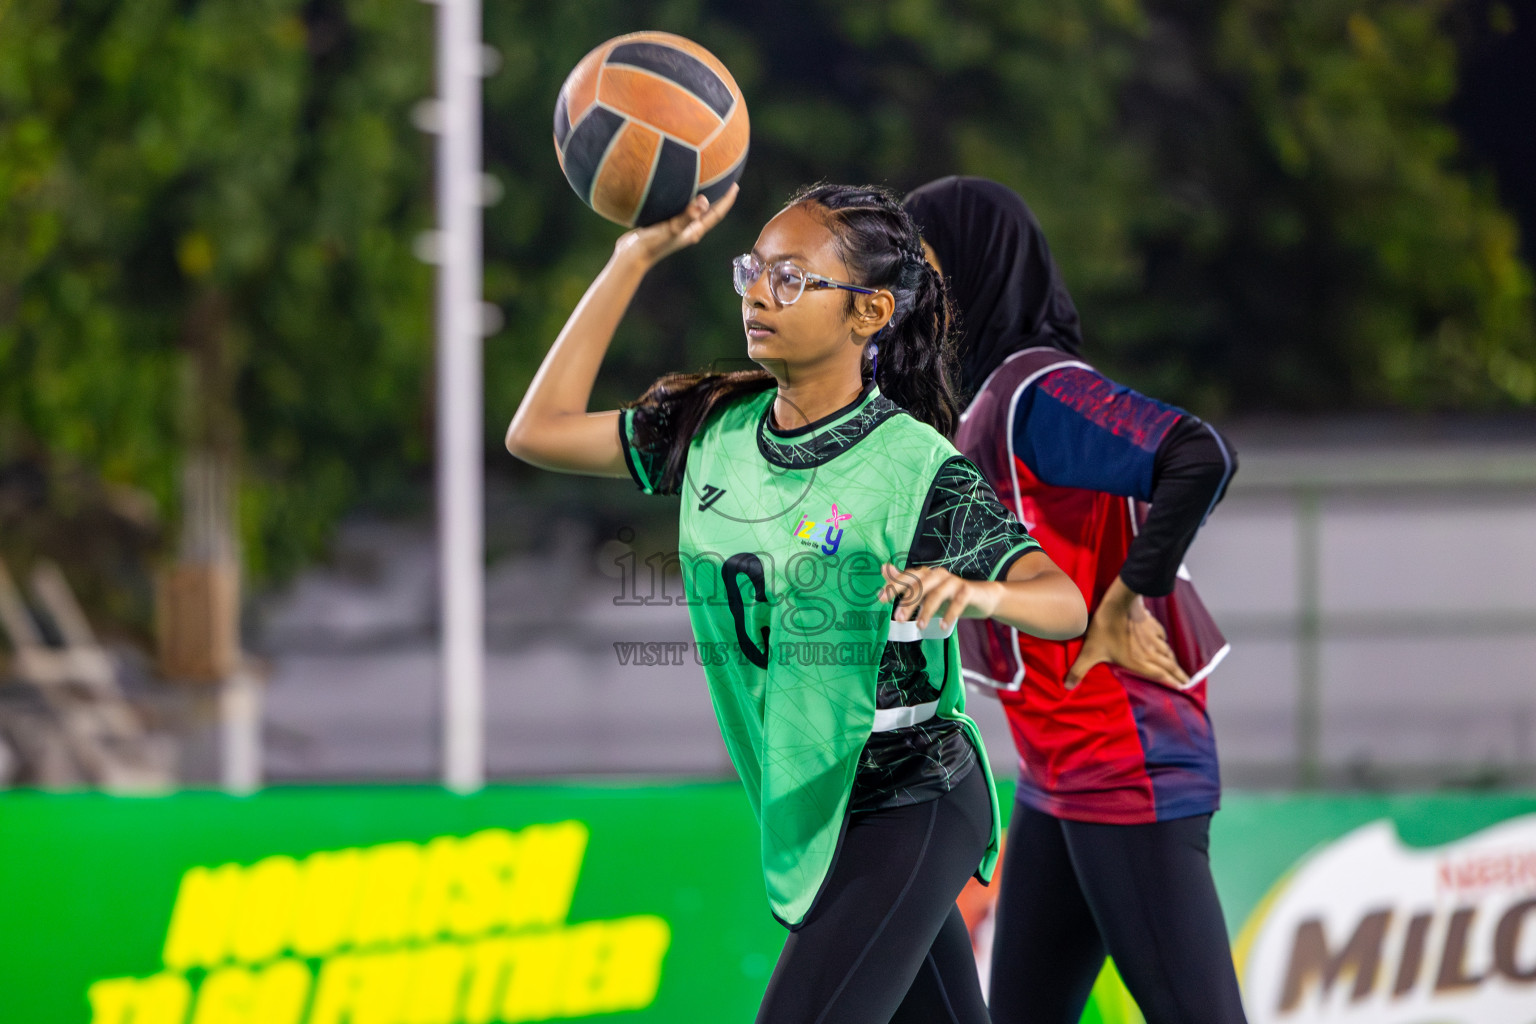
column 999, row 271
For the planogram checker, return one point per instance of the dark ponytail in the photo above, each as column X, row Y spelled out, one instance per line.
column 916, row 354
column 882, row 247
column 675, row 407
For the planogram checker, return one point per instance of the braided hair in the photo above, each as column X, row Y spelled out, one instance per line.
column 911, row 359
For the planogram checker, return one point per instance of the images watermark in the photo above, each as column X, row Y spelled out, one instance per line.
column 650, row 653
column 810, row 585
column 824, row 592
column 816, row 600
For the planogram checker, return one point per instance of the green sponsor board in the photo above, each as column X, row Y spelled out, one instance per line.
column 1406, row 909
column 375, row 905
column 415, row 906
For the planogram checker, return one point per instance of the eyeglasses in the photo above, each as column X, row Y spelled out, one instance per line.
column 786, row 281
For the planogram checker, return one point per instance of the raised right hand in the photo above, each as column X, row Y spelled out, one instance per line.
column 660, row 240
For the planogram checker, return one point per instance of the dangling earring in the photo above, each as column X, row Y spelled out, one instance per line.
column 874, row 355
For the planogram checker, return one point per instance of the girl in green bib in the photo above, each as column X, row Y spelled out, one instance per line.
column 830, row 537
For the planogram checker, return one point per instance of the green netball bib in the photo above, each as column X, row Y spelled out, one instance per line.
column 781, row 564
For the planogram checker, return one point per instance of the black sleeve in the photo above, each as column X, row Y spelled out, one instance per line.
column 966, row 529
column 1190, row 474
column 648, row 436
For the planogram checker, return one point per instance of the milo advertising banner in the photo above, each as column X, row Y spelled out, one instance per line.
column 1375, row 928
column 554, row 903
column 1361, row 910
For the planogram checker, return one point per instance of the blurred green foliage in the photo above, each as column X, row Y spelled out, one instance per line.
column 233, row 183
column 1258, row 205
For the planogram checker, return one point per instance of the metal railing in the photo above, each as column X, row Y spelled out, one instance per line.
column 1305, row 480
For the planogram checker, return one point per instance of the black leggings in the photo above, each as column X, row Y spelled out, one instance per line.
column 885, row 942
column 1073, row 891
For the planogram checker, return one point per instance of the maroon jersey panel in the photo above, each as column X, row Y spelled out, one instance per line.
column 1118, row 748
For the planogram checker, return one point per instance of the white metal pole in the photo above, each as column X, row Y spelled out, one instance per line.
column 240, row 721
column 459, row 399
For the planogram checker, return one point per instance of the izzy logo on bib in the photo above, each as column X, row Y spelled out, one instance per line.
column 824, row 534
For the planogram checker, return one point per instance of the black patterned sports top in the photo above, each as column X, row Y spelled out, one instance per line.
column 964, row 529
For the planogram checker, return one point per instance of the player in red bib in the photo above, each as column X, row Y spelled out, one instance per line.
column 1107, row 849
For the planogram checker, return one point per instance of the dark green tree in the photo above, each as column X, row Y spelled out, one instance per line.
column 1324, row 243
column 206, row 217
column 1258, row 206
column 207, row 210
